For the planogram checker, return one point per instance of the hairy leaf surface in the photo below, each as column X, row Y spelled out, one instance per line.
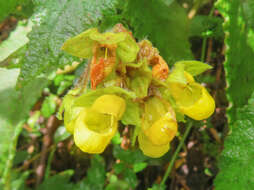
column 236, row 161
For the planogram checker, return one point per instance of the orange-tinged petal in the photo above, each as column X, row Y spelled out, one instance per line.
column 97, row 72
column 160, row 70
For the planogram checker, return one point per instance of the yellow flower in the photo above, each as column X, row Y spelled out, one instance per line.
column 201, row 109
column 162, row 131
column 193, row 99
column 159, row 127
column 159, row 123
column 150, row 149
column 94, row 127
column 93, row 130
column 110, row 104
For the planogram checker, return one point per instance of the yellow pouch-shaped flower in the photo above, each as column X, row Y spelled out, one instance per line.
column 193, row 99
column 150, row 149
column 110, row 104
column 93, row 130
column 201, row 109
column 163, row 130
column 159, row 123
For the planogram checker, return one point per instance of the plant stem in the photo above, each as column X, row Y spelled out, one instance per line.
column 12, row 149
column 205, row 39
column 51, row 155
column 172, row 161
column 203, row 49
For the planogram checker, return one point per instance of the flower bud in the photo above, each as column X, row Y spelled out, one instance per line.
column 127, row 50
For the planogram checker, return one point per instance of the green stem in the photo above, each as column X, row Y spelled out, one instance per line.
column 205, row 39
column 12, row 151
column 51, row 155
column 172, row 161
column 203, row 49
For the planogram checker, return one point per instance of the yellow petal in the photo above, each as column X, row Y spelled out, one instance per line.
column 162, row 131
column 149, row 149
column 93, row 131
column 70, row 118
column 201, row 109
column 110, row 104
column 189, row 77
column 159, row 122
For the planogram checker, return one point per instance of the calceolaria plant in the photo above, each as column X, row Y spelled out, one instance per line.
column 126, row 75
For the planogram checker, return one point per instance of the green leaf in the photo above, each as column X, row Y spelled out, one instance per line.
column 18, row 180
column 89, row 97
column 131, row 115
column 7, row 7
column 60, row 21
column 96, row 174
column 129, row 156
column 14, row 108
column 58, row 181
column 206, row 26
column 130, row 177
column 116, row 139
column 138, row 167
column 194, row 67
column 140, row 81
column 236, row 161
column 61, row 134
column 119, row 167
column 48, row 106
column 16, row 39
column 165, row 26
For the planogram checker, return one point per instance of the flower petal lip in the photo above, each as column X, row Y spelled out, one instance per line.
column 70, row 117
column 150, row 149
column 202, row 109
column 110, row 104
column 90, row 140
column 162, row 131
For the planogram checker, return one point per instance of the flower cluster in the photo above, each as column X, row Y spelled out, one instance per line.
column 131, row 83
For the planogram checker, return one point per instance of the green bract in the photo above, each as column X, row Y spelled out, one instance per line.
column 82, row 45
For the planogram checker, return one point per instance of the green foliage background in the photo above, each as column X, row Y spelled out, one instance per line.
column 32, row 65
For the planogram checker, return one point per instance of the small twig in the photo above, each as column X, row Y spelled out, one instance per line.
column 51, row 127
column 209, row 50
column 172, row 161
column 35, row 157
column 182, row 182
